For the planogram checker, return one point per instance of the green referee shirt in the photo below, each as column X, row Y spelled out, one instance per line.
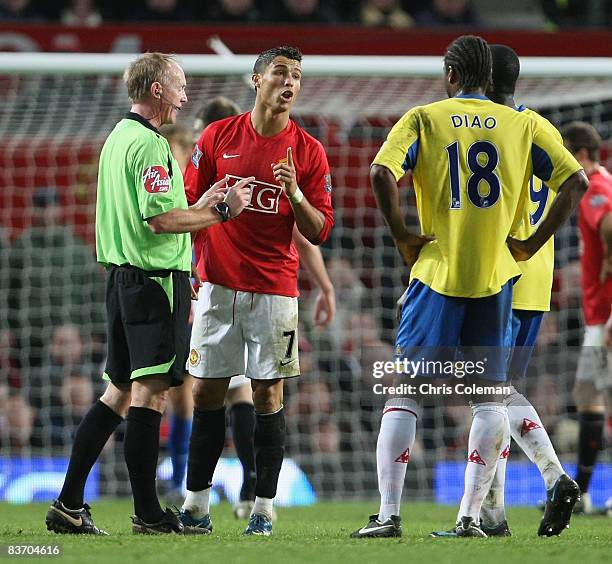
column 139, row 179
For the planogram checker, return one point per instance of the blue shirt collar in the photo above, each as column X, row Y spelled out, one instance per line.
column 520, row 108
column 471, row 95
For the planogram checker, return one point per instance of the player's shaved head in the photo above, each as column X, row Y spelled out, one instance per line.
column 470, row 57
column 581, row 135
column 506, row 69
column 265, row 58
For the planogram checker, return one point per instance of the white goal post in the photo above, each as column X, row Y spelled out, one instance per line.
column 314, row 65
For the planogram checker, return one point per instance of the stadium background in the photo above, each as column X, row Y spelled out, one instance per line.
column 52, row 127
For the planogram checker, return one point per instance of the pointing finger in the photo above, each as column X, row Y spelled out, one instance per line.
column 219, row 183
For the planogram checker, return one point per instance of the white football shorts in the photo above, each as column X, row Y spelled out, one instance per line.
column 226, row 321
column 595, row 361
column 238, row 381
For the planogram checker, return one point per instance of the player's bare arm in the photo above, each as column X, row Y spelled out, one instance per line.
column 570, row 193
column 194, row 218
column 310, row 255
column 605, row 229
column 385, row 188
column 608, row 331
column 310, row 221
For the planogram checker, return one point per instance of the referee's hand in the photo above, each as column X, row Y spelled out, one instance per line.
column 214, row 195
column 238, row 196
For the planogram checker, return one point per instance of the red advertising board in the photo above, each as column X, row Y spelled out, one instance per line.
column 346, row 40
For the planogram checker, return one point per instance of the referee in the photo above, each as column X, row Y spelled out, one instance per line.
column 142, row 238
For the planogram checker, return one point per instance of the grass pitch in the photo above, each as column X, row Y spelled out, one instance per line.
column 312, row 534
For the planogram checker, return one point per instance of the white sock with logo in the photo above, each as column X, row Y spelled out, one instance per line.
column 395, row 439
column 197, row 503
column 485, row 444
column 493, row 511
column 528, row 431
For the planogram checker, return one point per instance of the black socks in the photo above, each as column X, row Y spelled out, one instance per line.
column 242, row 421
column 205, row 447
column 92, row 433
column 589, row 442
column 269, row 451
column 141, row 450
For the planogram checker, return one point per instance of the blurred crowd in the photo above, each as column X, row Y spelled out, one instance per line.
column 51, row 328
column 400, row 14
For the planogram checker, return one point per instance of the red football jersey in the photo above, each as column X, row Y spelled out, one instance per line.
column 595, row 204
column 255, row 251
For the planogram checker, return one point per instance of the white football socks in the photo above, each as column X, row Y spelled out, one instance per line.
column 263, row 506
column 493, row 511
column 197, row 503
column 395, row 440
column 529, row 433
column 485, row 444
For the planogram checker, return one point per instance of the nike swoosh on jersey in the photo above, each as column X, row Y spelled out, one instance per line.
column 76, row 522
column 282, row 363
column 226, row 156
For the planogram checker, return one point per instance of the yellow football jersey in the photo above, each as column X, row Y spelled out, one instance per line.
column 471, row 161
column 532, row 291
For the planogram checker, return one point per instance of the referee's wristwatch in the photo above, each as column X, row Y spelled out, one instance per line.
column 223, row 210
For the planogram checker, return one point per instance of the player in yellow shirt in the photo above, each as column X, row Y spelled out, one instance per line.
column 531, row 298
column 471, row 161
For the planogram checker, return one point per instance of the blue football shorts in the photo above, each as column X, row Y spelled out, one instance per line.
column 440, row 328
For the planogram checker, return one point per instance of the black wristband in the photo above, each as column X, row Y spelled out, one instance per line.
column 223, row 210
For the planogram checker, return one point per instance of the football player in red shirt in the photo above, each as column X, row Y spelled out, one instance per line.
column 249, row 267
column 239, row 398
column 593, row 387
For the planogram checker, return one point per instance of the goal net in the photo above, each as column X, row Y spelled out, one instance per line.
column 55, row 113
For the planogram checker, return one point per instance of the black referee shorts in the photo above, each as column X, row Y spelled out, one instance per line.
column 148, row 313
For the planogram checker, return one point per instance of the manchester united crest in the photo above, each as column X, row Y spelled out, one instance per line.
column 194, row 357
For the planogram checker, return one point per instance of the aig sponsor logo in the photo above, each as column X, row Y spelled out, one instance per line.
column 264, row 196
